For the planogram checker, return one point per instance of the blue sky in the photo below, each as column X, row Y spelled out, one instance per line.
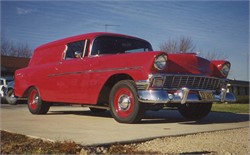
column 214, row 26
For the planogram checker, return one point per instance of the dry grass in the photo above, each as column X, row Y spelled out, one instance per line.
column 20, row 144
column 12, row 143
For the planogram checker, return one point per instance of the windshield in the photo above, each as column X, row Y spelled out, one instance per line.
column 115, row 45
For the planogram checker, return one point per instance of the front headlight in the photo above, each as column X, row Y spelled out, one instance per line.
column 160, row 62
column 225, row 69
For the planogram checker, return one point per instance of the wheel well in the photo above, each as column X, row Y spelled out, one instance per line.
column 26, row 93
column 103, row 98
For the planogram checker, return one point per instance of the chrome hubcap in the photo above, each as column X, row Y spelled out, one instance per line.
column 35, row 101
column 124, row 102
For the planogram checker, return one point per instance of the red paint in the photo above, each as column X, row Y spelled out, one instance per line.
column 81, row 80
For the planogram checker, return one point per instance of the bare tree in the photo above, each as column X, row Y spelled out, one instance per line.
column 215, row 56
column 10, row 48
column 183, row 44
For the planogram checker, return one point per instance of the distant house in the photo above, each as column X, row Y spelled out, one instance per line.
column 10, row 64
column 240, row 89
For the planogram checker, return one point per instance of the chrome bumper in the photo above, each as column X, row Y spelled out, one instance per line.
column 182, row 96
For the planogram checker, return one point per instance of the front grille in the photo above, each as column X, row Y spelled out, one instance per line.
column 192, row 82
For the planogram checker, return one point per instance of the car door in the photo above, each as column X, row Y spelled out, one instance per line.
column 71, row 74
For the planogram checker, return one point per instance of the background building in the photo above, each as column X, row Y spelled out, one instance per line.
column 10, row 64
column 240, row 89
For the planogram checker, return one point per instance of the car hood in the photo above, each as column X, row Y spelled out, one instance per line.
column 189, row 63
column 182, row 63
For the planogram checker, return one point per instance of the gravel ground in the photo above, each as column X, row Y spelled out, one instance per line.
column 236, row 141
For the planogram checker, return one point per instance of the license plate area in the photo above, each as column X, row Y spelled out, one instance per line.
column 206, row 95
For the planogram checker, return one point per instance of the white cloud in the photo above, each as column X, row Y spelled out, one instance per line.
column 22, row 11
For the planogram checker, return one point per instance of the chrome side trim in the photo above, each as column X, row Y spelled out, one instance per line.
column 96, row 71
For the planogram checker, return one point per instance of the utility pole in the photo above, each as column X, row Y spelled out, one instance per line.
column 109, row 25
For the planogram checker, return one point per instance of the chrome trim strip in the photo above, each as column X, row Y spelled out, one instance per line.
column 64, row 52
column 96, row 71
column 85, row 47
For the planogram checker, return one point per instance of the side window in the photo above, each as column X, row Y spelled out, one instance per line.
column 75, row 49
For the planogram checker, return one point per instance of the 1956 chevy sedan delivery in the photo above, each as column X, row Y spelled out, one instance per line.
column 123, row 74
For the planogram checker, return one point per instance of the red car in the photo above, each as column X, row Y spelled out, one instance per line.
column 123, row 74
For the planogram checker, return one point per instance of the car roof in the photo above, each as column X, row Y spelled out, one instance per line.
column 79, row 37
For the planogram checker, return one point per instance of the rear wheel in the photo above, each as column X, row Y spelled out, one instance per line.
column 35, row 103
column 124, row 104
column 195, row 111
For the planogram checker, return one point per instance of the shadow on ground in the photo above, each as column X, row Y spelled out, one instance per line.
column 167, row 116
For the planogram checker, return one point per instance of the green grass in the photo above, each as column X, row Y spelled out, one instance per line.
column 234, row 108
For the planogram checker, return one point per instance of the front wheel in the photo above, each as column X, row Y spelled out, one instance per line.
column 195, row 111
column 35, row 103
column 124, row 104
